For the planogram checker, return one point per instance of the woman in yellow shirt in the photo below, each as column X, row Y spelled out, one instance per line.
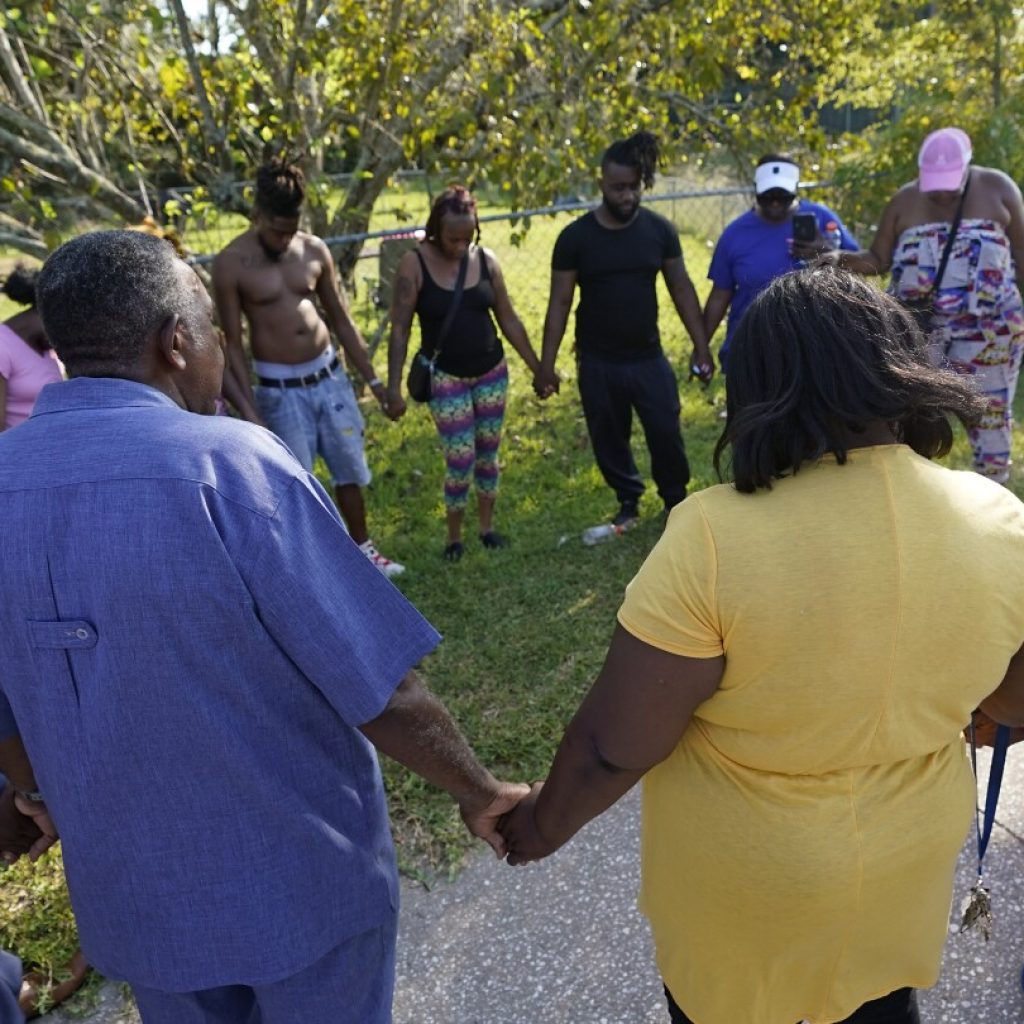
column 792, row 669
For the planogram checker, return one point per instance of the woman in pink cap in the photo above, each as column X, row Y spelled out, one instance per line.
column 976, row 320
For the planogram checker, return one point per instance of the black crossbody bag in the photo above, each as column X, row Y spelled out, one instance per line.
column 420, row 382
column 922, row 309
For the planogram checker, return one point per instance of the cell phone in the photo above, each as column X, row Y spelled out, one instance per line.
column 805, row 227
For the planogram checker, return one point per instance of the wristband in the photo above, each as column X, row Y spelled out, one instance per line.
column 33, row 796
column 375, row 383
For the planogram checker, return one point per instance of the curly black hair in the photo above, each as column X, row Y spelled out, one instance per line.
column 20, row 286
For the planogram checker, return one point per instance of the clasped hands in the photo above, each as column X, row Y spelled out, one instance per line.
column 509, row 824
column 546, row 383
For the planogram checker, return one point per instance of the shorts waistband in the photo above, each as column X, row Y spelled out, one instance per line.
column 299, row 375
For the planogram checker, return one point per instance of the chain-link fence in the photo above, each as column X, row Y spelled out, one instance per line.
column 522, row 242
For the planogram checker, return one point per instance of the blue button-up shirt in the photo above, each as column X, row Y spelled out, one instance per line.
column 188, row 640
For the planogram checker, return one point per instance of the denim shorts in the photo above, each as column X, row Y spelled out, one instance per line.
column 321, row 419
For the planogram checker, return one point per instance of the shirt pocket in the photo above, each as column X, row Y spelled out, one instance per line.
column 55, row 644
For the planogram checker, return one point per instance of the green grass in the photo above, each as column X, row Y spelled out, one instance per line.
column 524, row 628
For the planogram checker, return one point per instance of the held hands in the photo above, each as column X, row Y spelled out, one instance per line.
column 702, row 365
column 482, row 821
column 546, row 383
column 393, row 405
column 523, row 838
column 379, row 392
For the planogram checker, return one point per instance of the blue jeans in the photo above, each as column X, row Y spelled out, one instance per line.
column 321, row 419
column 353, row 984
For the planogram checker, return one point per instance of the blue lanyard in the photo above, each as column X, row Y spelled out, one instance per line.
column 995, row 780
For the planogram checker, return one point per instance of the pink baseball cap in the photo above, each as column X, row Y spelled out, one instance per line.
column 943, row 158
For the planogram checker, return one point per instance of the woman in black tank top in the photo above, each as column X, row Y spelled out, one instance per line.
column 470, row 376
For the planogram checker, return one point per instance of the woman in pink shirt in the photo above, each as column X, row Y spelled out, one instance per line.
column 27, row 362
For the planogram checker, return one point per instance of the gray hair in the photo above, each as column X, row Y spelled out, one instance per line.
column 103, row 294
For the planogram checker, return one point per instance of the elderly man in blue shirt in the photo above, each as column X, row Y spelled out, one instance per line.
column 196, row 663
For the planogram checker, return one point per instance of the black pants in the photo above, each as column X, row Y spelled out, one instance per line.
column 899, row 1007
column 609, row 393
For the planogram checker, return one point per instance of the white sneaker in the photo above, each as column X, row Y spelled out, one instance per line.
column 385, row 565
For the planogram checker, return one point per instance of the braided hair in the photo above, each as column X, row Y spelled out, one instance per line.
column 456, row 200
column 640, row 151
column 280, row 189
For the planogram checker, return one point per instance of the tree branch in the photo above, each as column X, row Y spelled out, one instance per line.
column 16, row 78
column 74, row 171
column 24, row 243
column 212, row 132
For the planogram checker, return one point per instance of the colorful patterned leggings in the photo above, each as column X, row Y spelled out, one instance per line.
column 989, row 350
column 468, row 413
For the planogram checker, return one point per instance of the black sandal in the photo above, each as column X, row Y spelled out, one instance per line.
column 493, row 540
column 453, row 552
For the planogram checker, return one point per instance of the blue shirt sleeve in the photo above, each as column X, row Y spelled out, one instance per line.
column 720, row 272
column 348, row 629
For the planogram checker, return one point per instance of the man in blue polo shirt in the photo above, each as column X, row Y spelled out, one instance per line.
column 196, row 662
column 759, row 246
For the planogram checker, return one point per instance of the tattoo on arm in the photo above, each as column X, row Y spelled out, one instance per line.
column 405, row 291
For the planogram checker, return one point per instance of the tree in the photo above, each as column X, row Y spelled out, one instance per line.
column 100, row 102
column 75, row 81
column 952, row 62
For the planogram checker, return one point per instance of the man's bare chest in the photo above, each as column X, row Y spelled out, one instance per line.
column 271, row 282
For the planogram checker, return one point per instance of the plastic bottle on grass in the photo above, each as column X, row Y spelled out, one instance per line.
column 606, row 531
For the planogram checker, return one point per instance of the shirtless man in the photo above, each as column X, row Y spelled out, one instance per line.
column 275, row 274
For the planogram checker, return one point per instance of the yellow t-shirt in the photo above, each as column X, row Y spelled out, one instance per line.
column 799, row 843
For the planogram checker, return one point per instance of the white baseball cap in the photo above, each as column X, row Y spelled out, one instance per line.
column 779, row 174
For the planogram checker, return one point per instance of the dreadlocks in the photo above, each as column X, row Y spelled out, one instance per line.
column 280, row 189
column 640, row 151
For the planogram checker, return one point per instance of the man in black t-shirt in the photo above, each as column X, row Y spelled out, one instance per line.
column 615, row 254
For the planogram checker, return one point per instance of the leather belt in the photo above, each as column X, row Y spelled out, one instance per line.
column 300, row 382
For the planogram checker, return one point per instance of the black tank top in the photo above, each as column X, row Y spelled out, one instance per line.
column 472, row 346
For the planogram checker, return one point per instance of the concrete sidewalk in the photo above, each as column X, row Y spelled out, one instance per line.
column 561, row 942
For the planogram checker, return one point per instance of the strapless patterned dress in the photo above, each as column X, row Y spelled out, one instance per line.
column 978, row 327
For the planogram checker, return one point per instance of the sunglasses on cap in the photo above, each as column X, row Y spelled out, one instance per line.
column 775, row 195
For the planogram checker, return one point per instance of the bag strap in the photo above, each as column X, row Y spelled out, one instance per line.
column 957, row 217
column 460, row 282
